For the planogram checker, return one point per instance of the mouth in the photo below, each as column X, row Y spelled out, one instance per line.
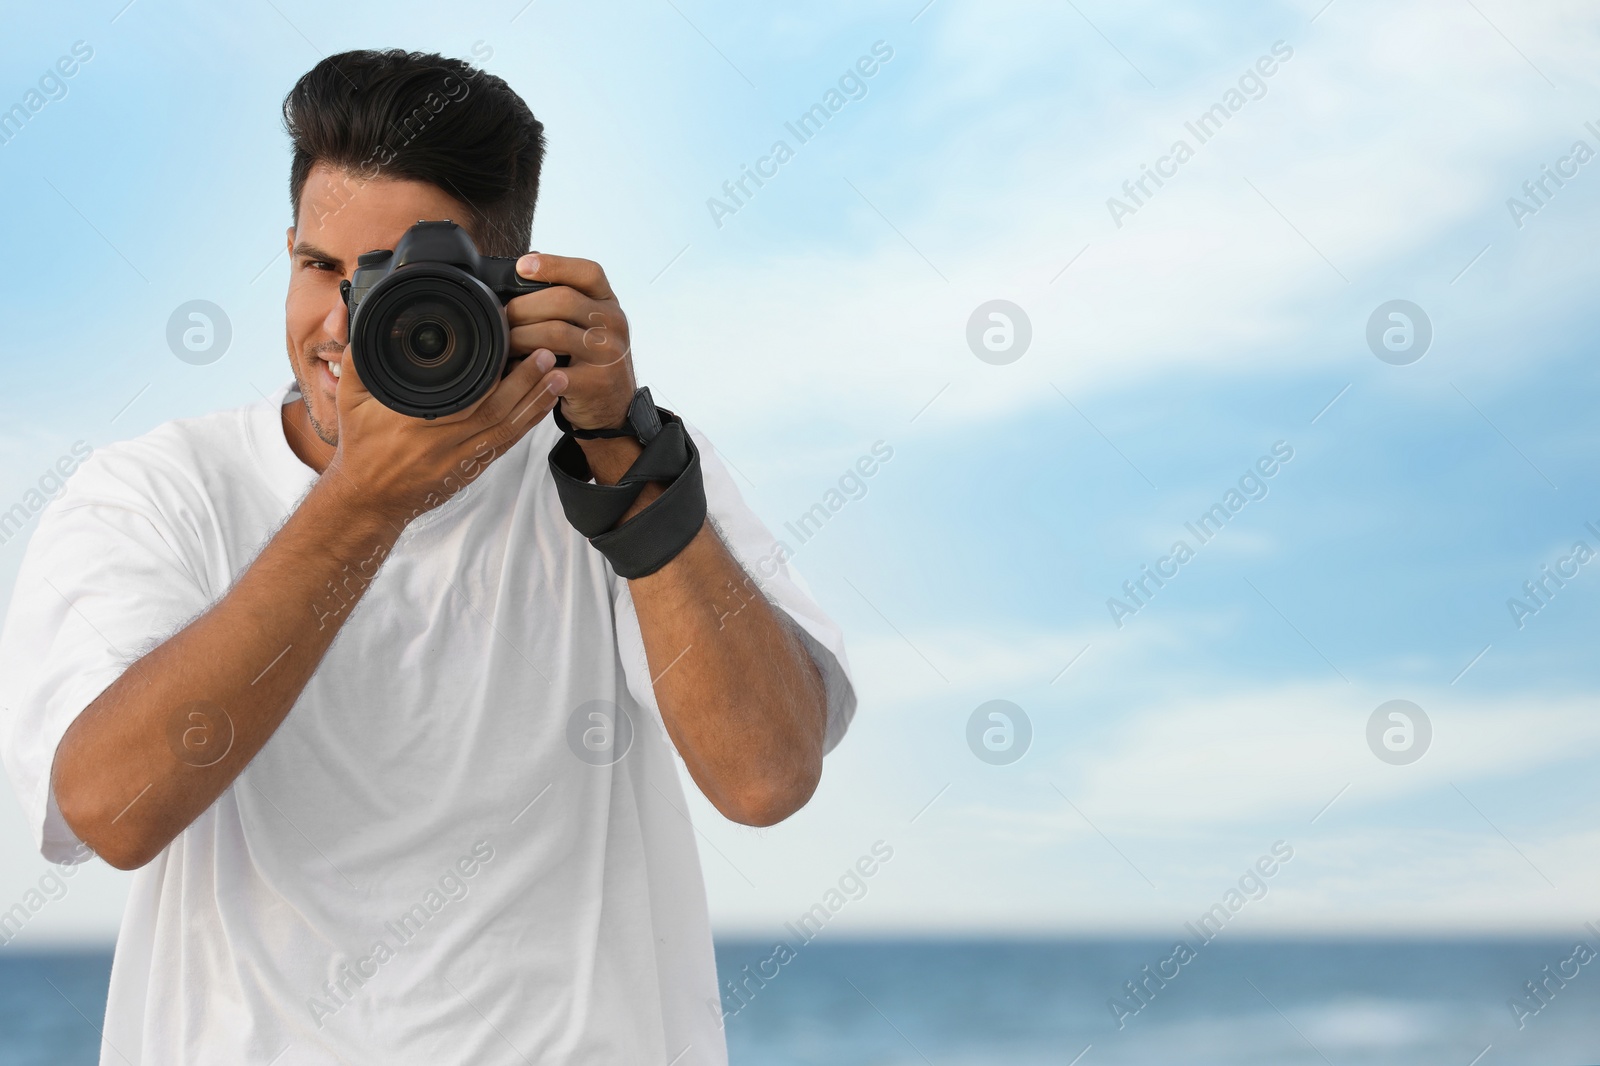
column 328, row 371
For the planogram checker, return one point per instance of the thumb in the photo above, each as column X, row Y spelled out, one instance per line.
column 352, row 390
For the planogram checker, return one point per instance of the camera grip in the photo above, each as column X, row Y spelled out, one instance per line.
column 503, row 278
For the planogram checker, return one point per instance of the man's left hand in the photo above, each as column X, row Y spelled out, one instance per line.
column 579, row 316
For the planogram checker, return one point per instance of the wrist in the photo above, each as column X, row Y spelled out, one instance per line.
column 609, row 457
column 356, row 521
column 638, row 505
column 607, row 429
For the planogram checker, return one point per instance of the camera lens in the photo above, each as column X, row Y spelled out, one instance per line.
column 429, row 341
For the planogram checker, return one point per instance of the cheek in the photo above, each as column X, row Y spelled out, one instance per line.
column 308, row 307
column 299, row 316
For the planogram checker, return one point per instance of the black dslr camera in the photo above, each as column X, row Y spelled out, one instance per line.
column 428, row 329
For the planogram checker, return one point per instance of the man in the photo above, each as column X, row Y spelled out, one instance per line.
column 387, row 741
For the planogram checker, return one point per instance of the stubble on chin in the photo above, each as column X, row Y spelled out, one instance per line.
column 327, row 434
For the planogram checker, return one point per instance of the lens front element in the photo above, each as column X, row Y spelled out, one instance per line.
column 430, row 343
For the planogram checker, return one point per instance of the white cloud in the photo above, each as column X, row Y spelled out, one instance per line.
column 1237, row 755
column 1137, row 816
column 1379, row 151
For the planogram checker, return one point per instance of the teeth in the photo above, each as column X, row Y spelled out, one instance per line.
column 335, row 368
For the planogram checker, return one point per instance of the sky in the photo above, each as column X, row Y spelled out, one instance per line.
column 1177, row 336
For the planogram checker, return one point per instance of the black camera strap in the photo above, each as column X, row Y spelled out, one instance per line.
column 653, row 537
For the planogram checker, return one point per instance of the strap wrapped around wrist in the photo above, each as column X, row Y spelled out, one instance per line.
column 653, row 537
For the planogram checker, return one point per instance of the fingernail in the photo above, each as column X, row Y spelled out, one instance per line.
column 544, row 360
column 528, row 266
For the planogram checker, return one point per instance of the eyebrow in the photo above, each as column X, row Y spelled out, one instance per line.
column 311, row 251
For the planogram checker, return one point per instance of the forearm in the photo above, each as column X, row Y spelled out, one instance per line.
column 172, row 733
column 740, row 696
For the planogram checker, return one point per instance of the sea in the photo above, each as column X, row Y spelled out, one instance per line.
column 1066, row 1002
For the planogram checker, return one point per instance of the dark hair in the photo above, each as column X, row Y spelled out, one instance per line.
column 422, row 117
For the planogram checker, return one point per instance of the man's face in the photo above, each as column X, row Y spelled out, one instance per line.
column 341, row 217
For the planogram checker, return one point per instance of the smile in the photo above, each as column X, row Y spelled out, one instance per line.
column 330, row 371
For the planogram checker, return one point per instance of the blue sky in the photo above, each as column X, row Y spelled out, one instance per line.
column 1168, row 354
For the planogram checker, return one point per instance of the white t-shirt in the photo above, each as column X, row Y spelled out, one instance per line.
column 438, row 857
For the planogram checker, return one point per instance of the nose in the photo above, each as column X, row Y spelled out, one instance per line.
column 337, row 324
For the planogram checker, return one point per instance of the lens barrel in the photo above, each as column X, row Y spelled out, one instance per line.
column 429, row 340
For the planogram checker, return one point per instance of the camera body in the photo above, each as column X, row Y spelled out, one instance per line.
column 428, row 328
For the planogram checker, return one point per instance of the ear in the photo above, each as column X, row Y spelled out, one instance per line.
column 291, row 239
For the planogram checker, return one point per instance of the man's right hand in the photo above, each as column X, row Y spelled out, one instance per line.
column 398, row 467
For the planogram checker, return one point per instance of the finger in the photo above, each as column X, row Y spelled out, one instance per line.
column 499, row 437
column 584, row 382
column 597, row 347
column 582, row 274
column 539, row 401
column 522, row 379
column 351, row 390
column 565, row 303
column 531, row 382
column 525, row 411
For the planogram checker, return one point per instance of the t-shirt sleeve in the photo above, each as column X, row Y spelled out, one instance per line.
column 760, row 554
column 101, row 583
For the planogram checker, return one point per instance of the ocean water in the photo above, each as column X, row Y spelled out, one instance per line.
column 52, row 1006
column 1240, row 1003
column 957, row 1003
